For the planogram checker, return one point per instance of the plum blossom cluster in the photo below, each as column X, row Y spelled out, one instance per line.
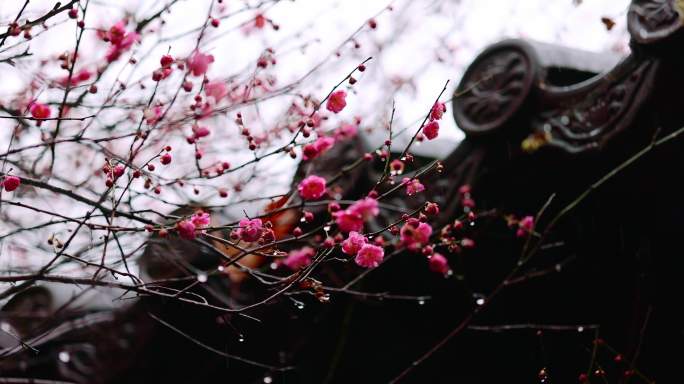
column 524, row 227
column 179, row 103
column 317, row 148
column 365, row 254
column 413, row 186
column 455, row 235
column 198, row 63
column 253, row 230
column 112, row 172
column 354, row 217
column 119, row 38
column 299, row 258
column 325, row 142
column 188, row 228
column 415, row 234
column 165, row 68
column 431, row 129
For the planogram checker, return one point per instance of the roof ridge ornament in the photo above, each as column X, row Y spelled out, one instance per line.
column 655, row 21
column 564, row 98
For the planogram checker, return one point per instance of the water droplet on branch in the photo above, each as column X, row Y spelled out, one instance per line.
column 64, row 357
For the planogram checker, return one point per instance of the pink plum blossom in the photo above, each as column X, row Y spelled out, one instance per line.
column 437, row 111
column 352, row 218
column 120, row 40
column 201, row 219
column 439, row 264
column 186, row 229
column 525, row 226
column 128, row 41
column 299, row 258
column 166, row 61
column 324, row 143
column 337, row 101
column 76, row 78
column 353, row 243
column 431, row 130
column 116, row 32
column 260, row 21
column 216, row 90
column 250, row 230
column 348, row 221
column 413, row 186
column 414, row 234
column 199, row 132
column 366, row 207
column 152, row 115
column 318, row 147
column 198, row 63
column 346, row 131
column 467, row 243
column 369, row 256
column 40, row 111
column 312, row 188
column 309, row 151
